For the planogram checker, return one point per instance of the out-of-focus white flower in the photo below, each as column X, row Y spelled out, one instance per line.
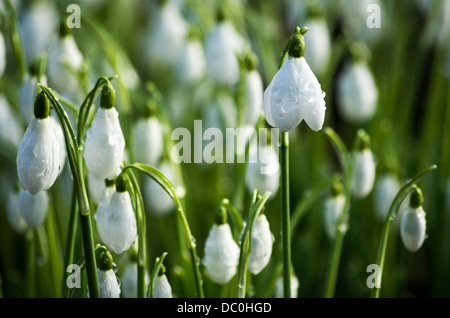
column 385, row 190
column 108, row 284
column 10, row 130
column 222, row 45
column 38, row 157
column 332, row 211
column 262, row 241
column 33, row 208
column 167, row 35
column 36, row 27
column 253, row 98
column 98, row 191
column 129, row 283
column 221, row 254
column 116, row 222
column 2, row 54
column 357, row 93
column 294, row 95
column 317, row 52
column 363, row 173
column 294, row 287
column 191, row 64
column 147, row 141
column 64, row 60
column 16, row 221
column 105, row 144
column 28, row 92
column 413, row 228
column 156, row 198
column 263, row 170
column 162, row 287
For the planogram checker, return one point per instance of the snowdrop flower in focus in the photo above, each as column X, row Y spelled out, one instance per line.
column 15, row 220
column 385, row 190
column 38, row 158
column 413, row 222
column 105, row 144
column 295, row 93
column 107, row 280
column 221, row 254
column 116, row 222
column 357, row 93
column 262, row 241
column 33, row 208
column 333, row 209
column 162, row 286
column 364, row 168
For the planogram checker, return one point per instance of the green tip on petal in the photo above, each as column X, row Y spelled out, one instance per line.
column 362, row 140
column 108, row 97
column 41, row 106
column 221, row 216
column 416, row 198
column 121, row 185
column 296, row 47
column 162, row 270
column 104, row 258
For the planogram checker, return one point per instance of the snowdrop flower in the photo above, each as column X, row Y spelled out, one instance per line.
column 64, row 60
column 332, row 212
column 158, row 202
column 253, row 93
column 385, row 190
column 38, row 158
column 357, row 93
column 33, row 208
column 221, row 254
column 222, row 45
column 162, row 286
column 262, row 241
column 105, row 144
column 364, row 168
column 2, row 54
column 263, row 170
column 413, row 223
column 295, row 93
column 116, row 222
column 167, row 35
column 294, row 287
column 191, row 64
column 147, row 140
column 61, row 141
column 100, row 190
column 319, row 43
column 15, row 220
column 10, row 130
column 129, row 281
column 107, row 280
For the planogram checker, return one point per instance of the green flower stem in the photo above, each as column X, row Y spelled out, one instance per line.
column 165, row 183
column 285, row 211
column 246, row 244
column 393, row 210
column 154, row 275
column 31, row 263
column 70, row 238
column 83, row 201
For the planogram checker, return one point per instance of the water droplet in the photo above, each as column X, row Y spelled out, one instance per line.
column 275, row 91
column 114, row 267
column 278, row 103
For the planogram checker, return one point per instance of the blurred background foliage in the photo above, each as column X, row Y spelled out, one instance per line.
column 409, row 57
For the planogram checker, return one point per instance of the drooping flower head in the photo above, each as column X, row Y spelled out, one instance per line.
column 413, row 223
column 162, row 286
column 332, row 211
column 107, row 280
column 364, row 170
column 33, row 208
column 262, row 241
column 295, row 93
column 38, row 158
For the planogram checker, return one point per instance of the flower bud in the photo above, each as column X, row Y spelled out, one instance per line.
column 162, row 286
column 363, row 173
column 147, row 141
column 413, row 223
column 262, row 241
column 221, row 254
column 108, row 284
column 33, row 208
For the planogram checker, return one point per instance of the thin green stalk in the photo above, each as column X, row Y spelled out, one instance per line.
column 54, row 256
column 156, row 268
column 401, row 195
column 285, row 213
column 31, row 263
column 71, row 237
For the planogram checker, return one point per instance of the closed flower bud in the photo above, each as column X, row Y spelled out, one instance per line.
column 15, row 220
column 385, row 190
column 317, row 53
column 222, row 45
column 38, row 158
column 262, row 241
column 294, row 95
column 221, row 254
column 357, row 93
column 333, row 209
column 33, row 208
column 413, row 223
column 294, row 287
column 162, row 287
column 108, row 284
column 105, row 144
column 363, row 173
column 116, row 222
column 147, row 141
column 191, row 64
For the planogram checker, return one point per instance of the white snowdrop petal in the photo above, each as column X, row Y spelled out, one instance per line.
column 105, row 144
column 333, row 208
column 413, row 228
column 279, row 293
column 10, row 130
column 26, row 98
column 116, row 222
column 191, row 65
column 363, row 173
column 15, row 220
column 162, row 287
column 38, row 158
column 357, row 93
column 261, row 250
column 61, row 141
column 385, row 190
column 318, row 43
column 221, row 254
column 108, row 284
column 254, row 98
column 147, row 141
column 33, row 208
